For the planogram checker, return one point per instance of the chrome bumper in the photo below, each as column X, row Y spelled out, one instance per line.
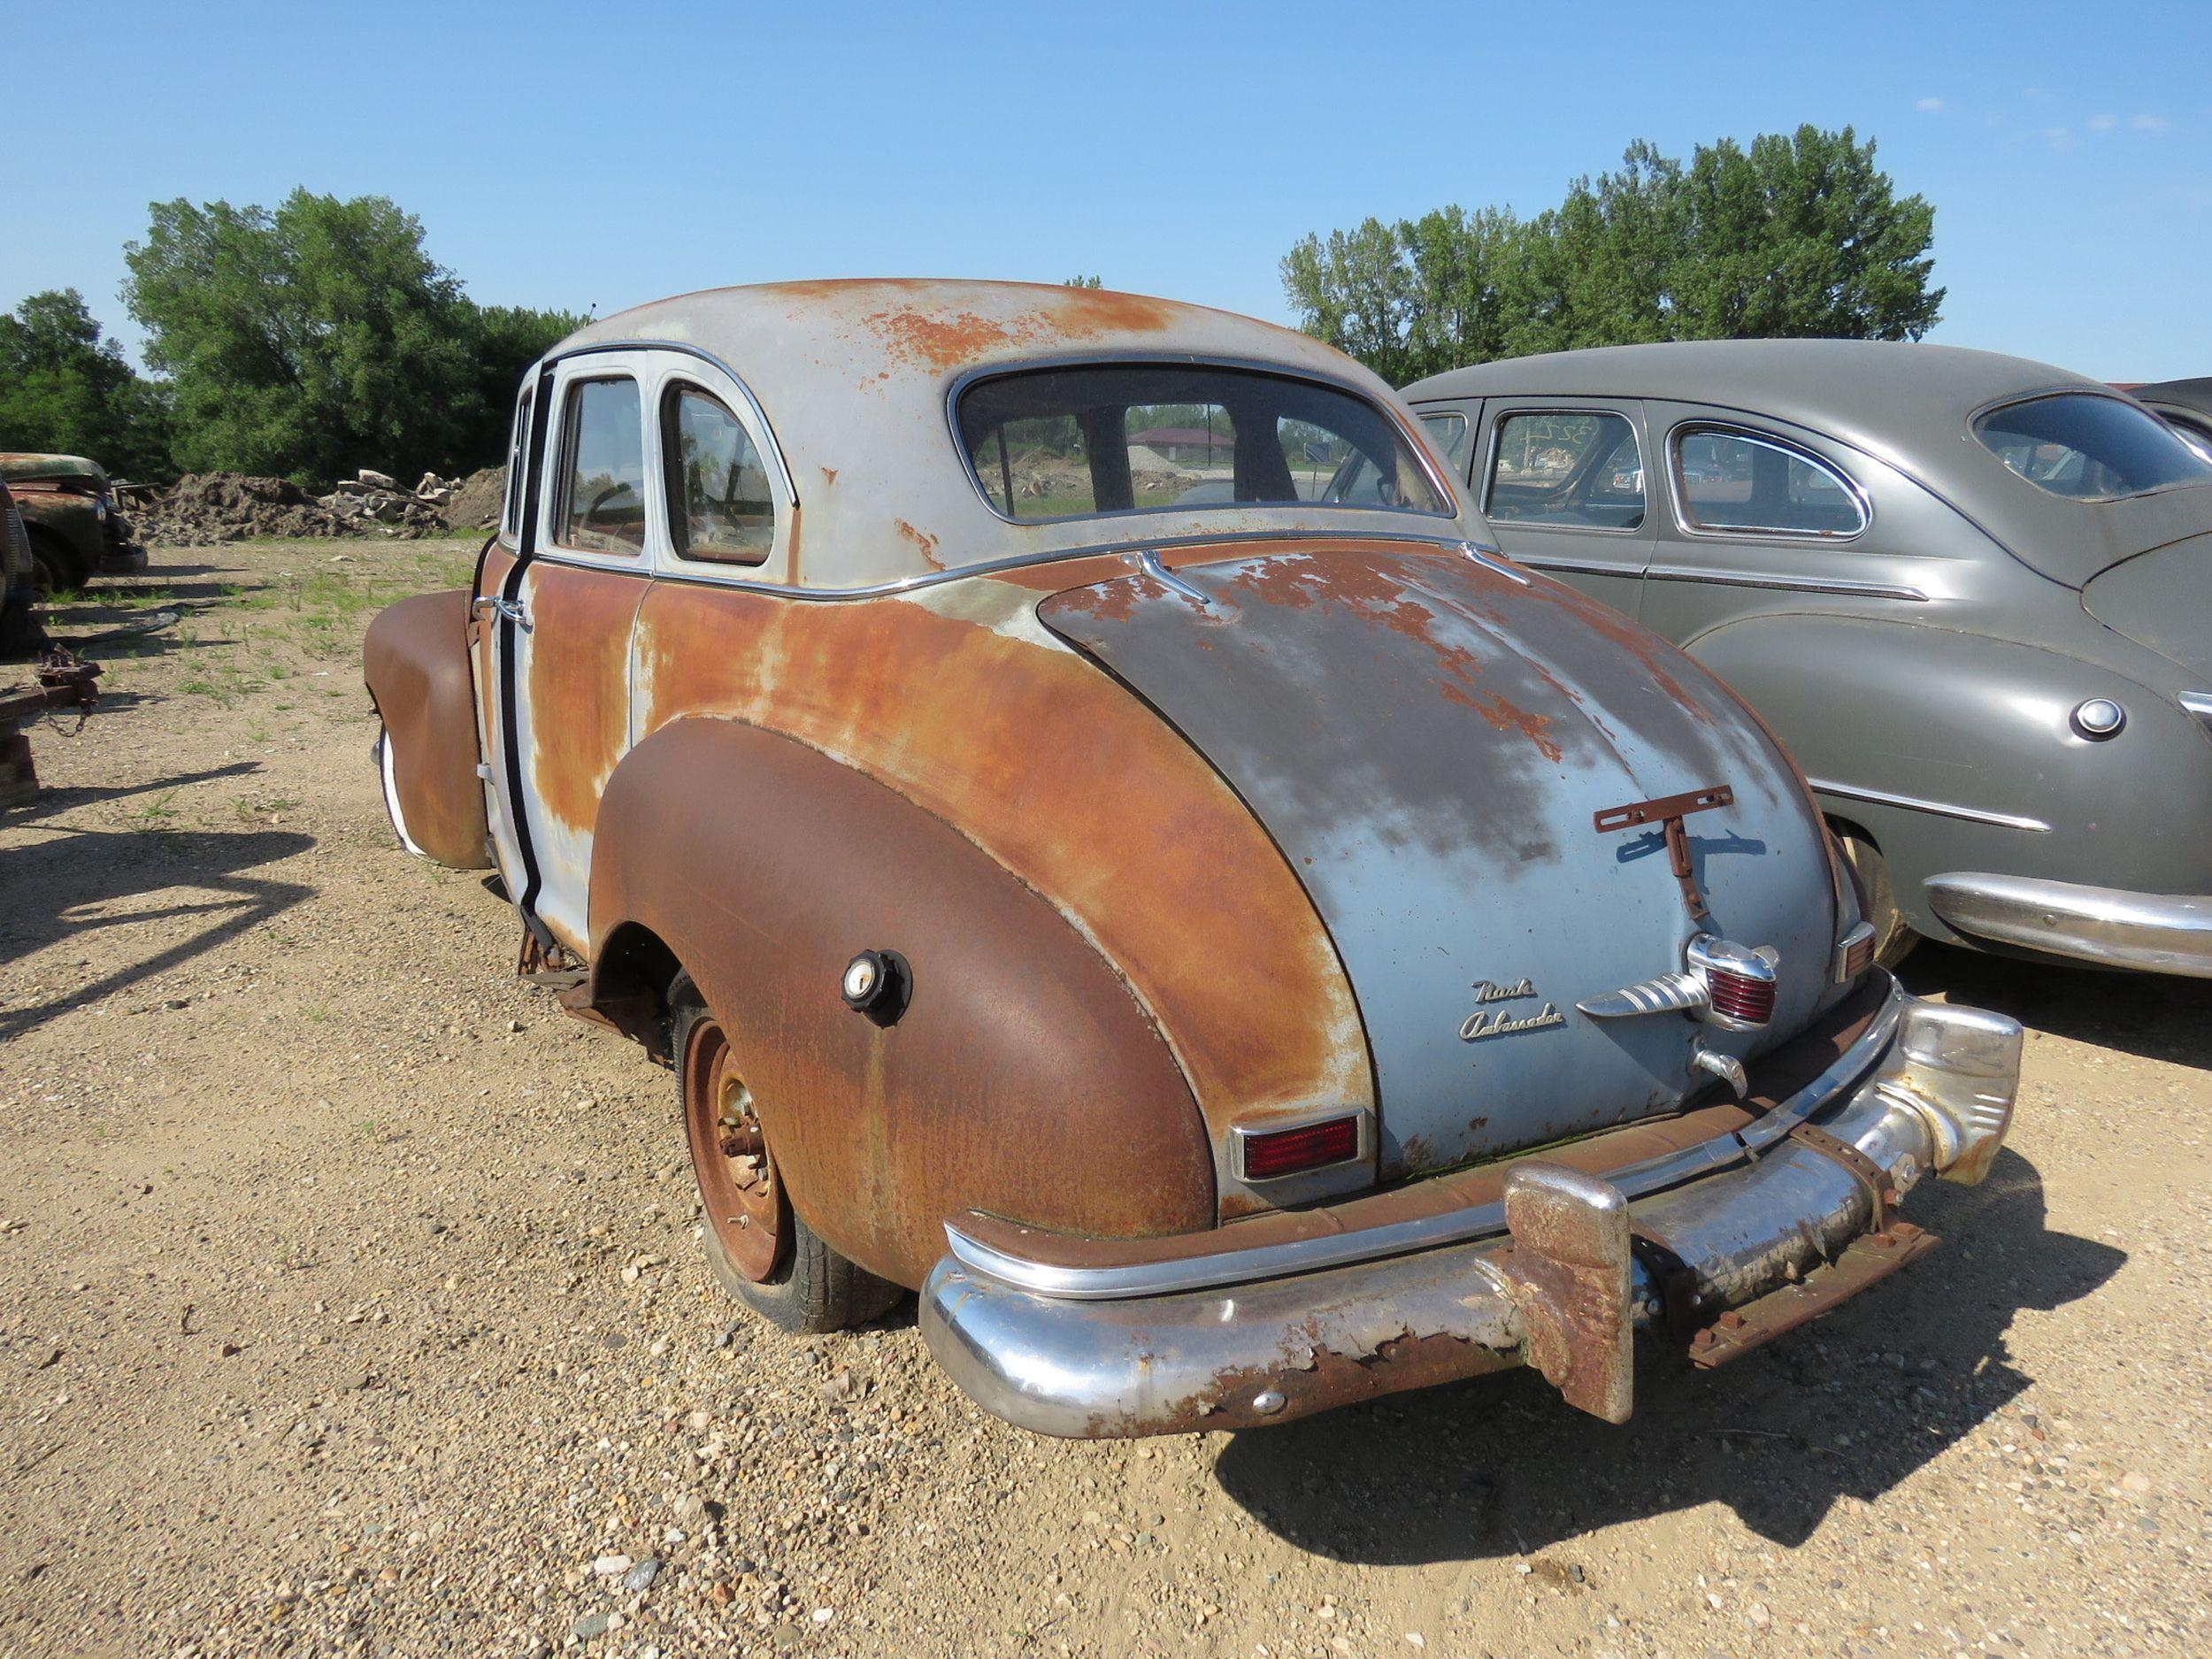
column 1560, row 1279
column 2160, row 932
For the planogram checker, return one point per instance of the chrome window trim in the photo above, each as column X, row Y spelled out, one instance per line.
column 1941, row 809
column 2199, row 703
column 669, row 381
column 1025, row 561
column 1791, row 584
column 564, row 478
column 1490, row 479
column 1415, row 442
column 1240, row 1137
column 1446, row 412
column 1402, row 1238
column 1677, row 491
column 2013, row 400
column 760, row 415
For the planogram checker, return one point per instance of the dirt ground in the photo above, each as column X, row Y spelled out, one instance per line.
column 350, row 1302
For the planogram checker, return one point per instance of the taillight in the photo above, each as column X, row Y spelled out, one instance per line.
column 1268, row 1155
column 1740, row 983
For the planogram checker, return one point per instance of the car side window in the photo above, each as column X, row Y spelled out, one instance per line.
column 719, row 506
column 1448, row 433
column 1728, row 481
column 518, row 463
column 602, row 470
column 1566, row 469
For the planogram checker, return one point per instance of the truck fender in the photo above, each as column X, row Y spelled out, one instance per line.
column 1022, row 1076
column 415, row 662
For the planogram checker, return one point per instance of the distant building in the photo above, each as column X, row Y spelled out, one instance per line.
column 1188, row 445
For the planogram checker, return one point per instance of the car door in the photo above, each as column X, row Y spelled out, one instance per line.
column 493, row 567
column 564, row 628
column 1564, row 485
column 1761, row 515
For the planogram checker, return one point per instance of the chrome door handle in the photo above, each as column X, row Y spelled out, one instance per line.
column 511, row 609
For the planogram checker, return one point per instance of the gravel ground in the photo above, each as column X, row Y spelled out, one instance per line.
column 350, row 1302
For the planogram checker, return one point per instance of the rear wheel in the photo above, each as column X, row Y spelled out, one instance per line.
column 54, row 569
column 756, row 1245
column 390, row 782
column 1893, row 937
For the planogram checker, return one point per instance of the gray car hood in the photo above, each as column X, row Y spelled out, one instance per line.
column 1428, row 740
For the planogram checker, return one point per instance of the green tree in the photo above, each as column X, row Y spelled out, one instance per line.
column 63, row 389
column 1798, row 236
column 321, row 337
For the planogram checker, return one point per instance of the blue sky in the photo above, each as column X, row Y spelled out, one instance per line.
column 597, row 154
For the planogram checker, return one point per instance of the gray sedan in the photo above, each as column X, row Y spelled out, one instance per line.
column 1968, row 592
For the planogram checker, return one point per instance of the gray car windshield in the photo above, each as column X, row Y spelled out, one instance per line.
column 1094, row 439
column 2089, row 446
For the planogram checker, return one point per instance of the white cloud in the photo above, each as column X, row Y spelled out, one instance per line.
column 1930, row 106
column 2150, row 123
column 2102, row 123
column 2060, row 137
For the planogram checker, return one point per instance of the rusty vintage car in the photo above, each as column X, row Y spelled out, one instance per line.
column 1231, row 940
column 77, row 531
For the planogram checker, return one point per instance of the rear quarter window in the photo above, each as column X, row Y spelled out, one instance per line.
column 2087, row 447
column 1733, row 481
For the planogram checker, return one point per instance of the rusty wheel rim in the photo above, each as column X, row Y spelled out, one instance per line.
column 737, row 1178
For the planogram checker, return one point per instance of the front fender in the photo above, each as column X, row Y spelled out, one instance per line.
column 1965, row 720
column 415, row 662
column 1023, row 1079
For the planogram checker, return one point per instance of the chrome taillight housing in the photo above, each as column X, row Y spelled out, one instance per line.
column 1739, row 980
column 1855, row 952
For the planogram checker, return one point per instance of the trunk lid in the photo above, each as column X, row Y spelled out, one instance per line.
column 2158, row 599
column 1428, row 739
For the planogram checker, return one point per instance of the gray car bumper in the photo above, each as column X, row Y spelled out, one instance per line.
column 2161, row 933
column 1791, row 1216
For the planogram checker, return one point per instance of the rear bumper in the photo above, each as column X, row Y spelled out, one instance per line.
column 1745, row 1241
column 2158, row 932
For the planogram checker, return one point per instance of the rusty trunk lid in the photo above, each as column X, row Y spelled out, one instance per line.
column 1428, row 738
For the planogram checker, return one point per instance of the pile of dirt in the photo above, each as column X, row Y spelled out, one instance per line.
column 204, row 508
column 476, row 500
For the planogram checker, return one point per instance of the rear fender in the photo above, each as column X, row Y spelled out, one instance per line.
column 1023, row 1078
column 416, row 663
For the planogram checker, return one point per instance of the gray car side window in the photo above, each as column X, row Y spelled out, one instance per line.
column 1727, row 480
column 1565, row 469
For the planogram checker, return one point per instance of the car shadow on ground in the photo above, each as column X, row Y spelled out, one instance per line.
column 51, row 800
column 2156, row 1015
column 1846, row 1408
column 193, row 882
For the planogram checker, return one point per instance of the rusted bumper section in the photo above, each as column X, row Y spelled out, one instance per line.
column 1784, row 1227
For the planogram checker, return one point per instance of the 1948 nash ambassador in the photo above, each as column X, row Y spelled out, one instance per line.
column 1229, row 940
column 1966, row 590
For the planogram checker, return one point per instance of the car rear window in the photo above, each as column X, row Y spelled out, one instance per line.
column 2089, row 446
column 1095, row 438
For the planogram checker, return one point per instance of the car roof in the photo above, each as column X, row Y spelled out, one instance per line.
column 1871, row 393
column 1909, row 405
column 854, row 375
column 23, row 466
column 2194, row 393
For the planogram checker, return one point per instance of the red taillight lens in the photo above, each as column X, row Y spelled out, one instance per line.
column 1740, row 996
column 1277, row 1152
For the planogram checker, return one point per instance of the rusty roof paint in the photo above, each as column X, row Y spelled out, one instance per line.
column 856, row 373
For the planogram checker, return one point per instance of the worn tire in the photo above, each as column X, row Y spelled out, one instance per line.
column 54, row 568
column 1894, row 936
column 809, row 1288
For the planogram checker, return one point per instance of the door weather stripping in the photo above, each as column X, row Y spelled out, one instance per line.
column 1150, row 563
